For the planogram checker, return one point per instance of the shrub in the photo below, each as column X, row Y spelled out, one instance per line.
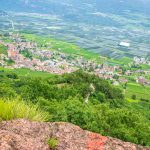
column 134, row 97
column 12, row 76
column 17, row 109
column 6, row 91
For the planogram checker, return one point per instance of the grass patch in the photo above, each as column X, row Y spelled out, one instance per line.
column 132, row 100
column 53, row 143
column 122, row 61
column 17, row 109
column 6, row 40
column 139, row 90
column 3, row 49
column 28, row 73
column 145, row 66
column 147, row 76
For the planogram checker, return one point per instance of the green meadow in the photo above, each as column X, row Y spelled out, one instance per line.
column 141, row 92
column 27, row 72
column 122, row 61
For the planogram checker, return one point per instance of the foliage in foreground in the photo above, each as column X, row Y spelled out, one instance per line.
column 121, row 123
column 63, row 98
column 17, row 109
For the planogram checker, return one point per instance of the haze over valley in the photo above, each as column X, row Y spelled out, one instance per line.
column 97, row 26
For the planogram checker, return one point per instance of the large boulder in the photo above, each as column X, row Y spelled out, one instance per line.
column 27, row 135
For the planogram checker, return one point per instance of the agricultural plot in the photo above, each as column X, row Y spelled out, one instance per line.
column 27, row 72
column 61, row 46
column 141, row 92
column 101, row 35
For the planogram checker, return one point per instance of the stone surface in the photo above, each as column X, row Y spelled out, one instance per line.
column 26, row 135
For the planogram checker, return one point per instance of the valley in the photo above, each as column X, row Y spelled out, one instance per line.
column 102, row 35
column 71, row 64
column 44, row 54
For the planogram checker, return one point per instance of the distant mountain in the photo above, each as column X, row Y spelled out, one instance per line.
column 76, row 7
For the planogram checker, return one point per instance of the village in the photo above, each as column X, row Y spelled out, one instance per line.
column 27, row 54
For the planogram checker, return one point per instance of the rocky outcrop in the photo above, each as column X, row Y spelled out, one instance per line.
column 26, row 135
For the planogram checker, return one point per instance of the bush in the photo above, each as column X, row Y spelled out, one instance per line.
column 134, row 97
column 6, row 92
column 12, row 76
column 118, row 122
column 17, row 109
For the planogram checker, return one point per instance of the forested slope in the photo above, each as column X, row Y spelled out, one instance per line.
column 79, row 98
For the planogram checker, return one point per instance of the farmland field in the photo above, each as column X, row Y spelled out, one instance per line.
column 141, row 92
column 27, row 72
column 62, row 46
column 102, row 36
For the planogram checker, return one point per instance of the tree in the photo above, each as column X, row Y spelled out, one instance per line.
column 101, row 97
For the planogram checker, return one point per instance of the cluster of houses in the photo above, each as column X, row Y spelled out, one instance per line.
column 110, row 72
column 56, row 67
column 141, row 80
column 140, row 60
column 105, row 71
column 42, row 60
column 60, row 63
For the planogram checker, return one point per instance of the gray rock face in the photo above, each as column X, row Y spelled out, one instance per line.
column 26, row 135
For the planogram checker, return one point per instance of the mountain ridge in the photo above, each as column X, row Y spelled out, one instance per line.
column 50, row 6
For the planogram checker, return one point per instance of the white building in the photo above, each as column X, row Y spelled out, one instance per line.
column 124, row 44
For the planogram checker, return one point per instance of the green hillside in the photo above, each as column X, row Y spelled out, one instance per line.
column 79, row 98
